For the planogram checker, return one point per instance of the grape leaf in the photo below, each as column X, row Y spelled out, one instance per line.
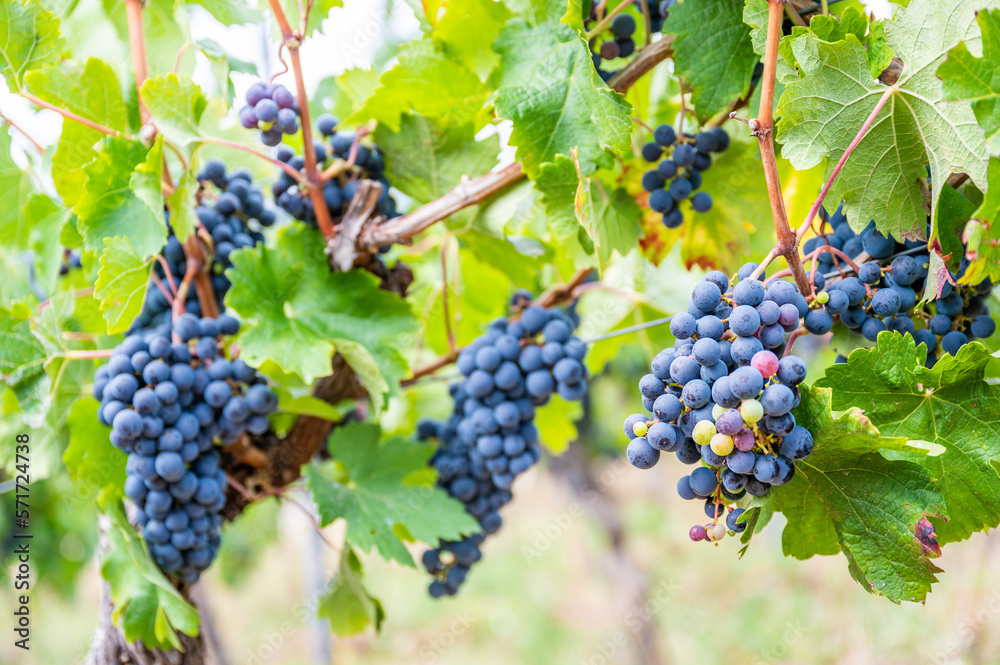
column 299, row 313
column 713, row 53
column 954, row 213
column 165, row 29
column 183, row 219
column 982, row 233
column 884, row 177
column 319, row 11
column 223, row 64
column 606, row 214
column 110, row 206
column 428, row 159
column 428, row 82
column 230, row 13
column 383, row 489
column 147, row 606
column 175, row 105
column 29, row 221
column 967, row 77
column 848, row 497
column 550, row 90
column 94, row 94
column 121, row 283
column 950, row 405
column 536, row 12
column 465, row 26
column 22, row 365
column 346, row 604
column 556, row 422
column 93, row 463
column 30, row 39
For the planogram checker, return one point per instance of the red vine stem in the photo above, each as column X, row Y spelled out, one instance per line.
column 763, row 127
column 72, row 116
column 313, row 183
column 798, row 332
column 843, row 160
column 133, row 12
column 292, row 173
column 23, row 133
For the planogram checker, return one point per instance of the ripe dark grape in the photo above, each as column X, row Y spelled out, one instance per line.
column 733, row 409
column 173, row 473
column 677, row 177
column 271, row 109
column 490, row 439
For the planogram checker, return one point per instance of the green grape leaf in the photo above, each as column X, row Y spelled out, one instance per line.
column 429, row 82
column 41, row 220
column 147, row 606
column 949, row 405
column 847, row 497
column 977, row 80
column 319, row 11
column 346, row 604
column 111, row 206
column 230, row 13
column 607, row 215
column 15, row 189
column 165, row 29
column 465, row 26
column 536, row 12
column 954, row 213
column 384, row 489
column 982, row 233
column 223, row 64
column 93, row 463
column 427, row 159
column 884, row 177
column 713, row 53
column 94, row 94
column 30, row 39
column 299, row 313
column 175, row 106
column 556, row 422
column 183, row 220
column 344, row 95
column 22, row 365
column 550, row 90
column 121, row 283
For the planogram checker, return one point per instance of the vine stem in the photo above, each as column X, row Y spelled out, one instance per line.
column 133, row 12
column 313, row 182
column 23, row 133
column 444, row 294
column 292, row 173
column 70, row 115
column 843, row 160
column 787, row 244
column 476, row 190
column 87, row 355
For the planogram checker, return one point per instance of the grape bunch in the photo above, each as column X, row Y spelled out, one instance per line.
column 888, row 294
column 168, row 404
column 617, row 41
column 723, row 398
column 368, row 164
column 678, row 174
column 235, row 219
column 491, row 437
column 273, row 110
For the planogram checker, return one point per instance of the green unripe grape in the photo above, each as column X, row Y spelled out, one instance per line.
column 721, row 444
column 703, row 432
column 751, row 410
column 640, row 429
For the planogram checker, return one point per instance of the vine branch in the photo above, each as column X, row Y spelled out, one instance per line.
column 787, row 244
column 476, row 190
